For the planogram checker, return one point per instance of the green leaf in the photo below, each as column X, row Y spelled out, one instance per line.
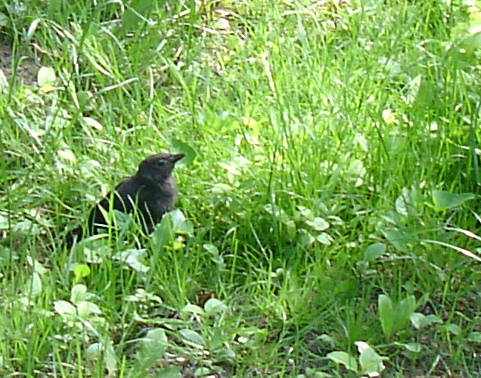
column 403, row 311
column 318, row 224
column 155, row 343
column 81, row 271
column 419, row 320
column 95, row 352
column 192, row 337
column 386, row 315
column 79, row 293
column 217, row 338
column 133, row 258
column 110, row 359
column 170, row 372
column 374, row 251
column 474, row 337
column 46, row 79
column 85, row 308
column 214, row 306
column 324, row 238
column 194, row 309
column 163, row 233
column 180, row 224
column 399, row 239
column 370, row 361
column 304, row 238
column 454, row 329
column 413, row 347
column 188, row 150
column 447, row 200
column 4, row 20
column 343, row 358
column 66, row 310
column 225, row 353
column 152, row 347
column 212, row 249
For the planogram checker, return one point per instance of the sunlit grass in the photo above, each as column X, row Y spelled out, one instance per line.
column 329, row 143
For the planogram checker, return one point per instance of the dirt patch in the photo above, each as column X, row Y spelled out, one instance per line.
column 26, row 71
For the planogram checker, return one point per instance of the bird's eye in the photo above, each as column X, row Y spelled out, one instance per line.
column 160, row 162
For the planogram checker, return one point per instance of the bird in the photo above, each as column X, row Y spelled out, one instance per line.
column 149, row 194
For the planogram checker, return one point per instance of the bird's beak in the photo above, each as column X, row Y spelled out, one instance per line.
column 176, row 158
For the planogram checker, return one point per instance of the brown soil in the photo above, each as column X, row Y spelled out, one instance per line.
column 26, row 72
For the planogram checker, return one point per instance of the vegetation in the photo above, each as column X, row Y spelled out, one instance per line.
column 328, row 207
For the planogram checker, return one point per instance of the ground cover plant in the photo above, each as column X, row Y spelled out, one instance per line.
column 328, row 205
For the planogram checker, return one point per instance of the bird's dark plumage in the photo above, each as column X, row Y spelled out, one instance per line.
column 150, row 193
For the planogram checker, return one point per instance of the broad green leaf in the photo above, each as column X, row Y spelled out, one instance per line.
column 67, row 155
column 214, row 306
column 474, row 337
column 403, row 311
column 305, row 212
column 398, row 239
column 4, row 20
column 98, row 350
column 192, row 337
column 305, row 238
column 79, row 293
column 187, row 149
column 110, row 359
column 93, row 123
column 46, row 79
column 86, row 308
column 81, row 271
column 180, row 223
column 163, row 233
column 94, row 351
column 155, row 343
column 419, row 320
column 324, row 238
column 202, row 372
column 345, row 359
column 170, row 372
column 67, row 311
column 413, row 347
column 194, row 309
column 291, row 229
column 374, row 251
column 386, row 315
column 447, row 200
column 454, row 329
column 64, row 307
column 152, row 347
column 133, row 258
column 212, row 249
column 318, row 224
column 225, row 353
column 370, row 361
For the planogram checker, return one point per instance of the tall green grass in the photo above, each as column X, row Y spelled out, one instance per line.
column 332, row 166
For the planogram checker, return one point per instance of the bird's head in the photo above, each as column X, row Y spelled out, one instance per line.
column 157, row 168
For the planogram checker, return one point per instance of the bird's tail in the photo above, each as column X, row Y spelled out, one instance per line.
column 73, row 236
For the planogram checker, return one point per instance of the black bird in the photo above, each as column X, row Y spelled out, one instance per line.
column 150, row 193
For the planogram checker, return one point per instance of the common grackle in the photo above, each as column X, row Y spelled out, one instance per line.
column 150, row 193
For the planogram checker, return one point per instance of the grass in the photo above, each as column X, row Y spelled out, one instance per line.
column 330, row 181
